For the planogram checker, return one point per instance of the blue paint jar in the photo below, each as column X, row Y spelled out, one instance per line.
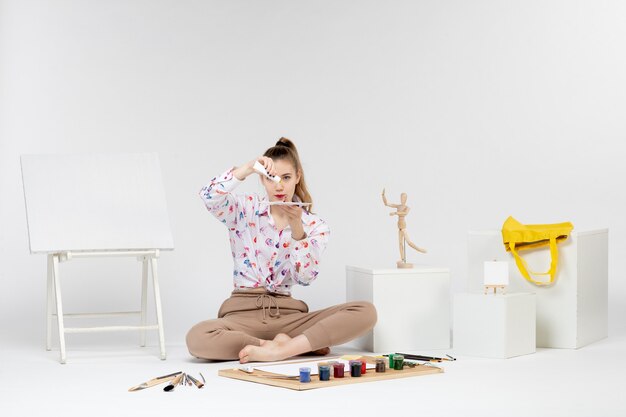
column 305, row 374
column 324, row 373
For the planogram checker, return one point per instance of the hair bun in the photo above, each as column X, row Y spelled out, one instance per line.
column 285, row 142
column 285, row 149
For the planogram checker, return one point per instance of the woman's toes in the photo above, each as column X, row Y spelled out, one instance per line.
column 244, row 354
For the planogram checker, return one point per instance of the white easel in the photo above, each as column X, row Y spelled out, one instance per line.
column 54, row 297
column 496, row 276
column 55, row 199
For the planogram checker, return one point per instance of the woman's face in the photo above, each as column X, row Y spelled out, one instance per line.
column 284, row 190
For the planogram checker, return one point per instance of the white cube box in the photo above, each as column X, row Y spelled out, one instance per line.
column 413, row 307
column 493, row 326
column 574, row 311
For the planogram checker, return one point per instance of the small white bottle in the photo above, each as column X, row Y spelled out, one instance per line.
column 261, row 170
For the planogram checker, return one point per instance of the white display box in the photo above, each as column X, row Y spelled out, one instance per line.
column 413, row 307
column 493, row 326
column 574, row 311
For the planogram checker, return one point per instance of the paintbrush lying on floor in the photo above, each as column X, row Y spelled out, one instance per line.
column 175, row 379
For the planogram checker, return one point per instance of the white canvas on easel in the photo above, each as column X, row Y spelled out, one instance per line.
column 496, row 275
column 96, row 205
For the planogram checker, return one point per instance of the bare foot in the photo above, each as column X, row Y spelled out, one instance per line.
column 281, row 338
column 268, row 351
column 280, row 348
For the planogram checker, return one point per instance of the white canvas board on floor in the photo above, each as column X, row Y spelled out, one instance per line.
column 95, row 202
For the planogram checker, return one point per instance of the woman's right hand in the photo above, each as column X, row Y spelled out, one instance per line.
column 243, row 171
column 268, row 164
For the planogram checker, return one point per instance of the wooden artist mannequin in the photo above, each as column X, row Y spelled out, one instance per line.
column 403, row 237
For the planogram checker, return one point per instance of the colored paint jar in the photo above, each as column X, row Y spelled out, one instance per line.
column 391, row 355
column 355, row 368
column 398, row 362
column 380, row 365
column 338, row 370
column 324, row 373
column 363, row 367
column 305, row 374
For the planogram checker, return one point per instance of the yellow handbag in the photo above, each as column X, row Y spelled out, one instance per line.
column 517, row 236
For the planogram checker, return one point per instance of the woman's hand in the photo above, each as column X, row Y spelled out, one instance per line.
column 268, row 164
column 294, row 217
column 243, row 171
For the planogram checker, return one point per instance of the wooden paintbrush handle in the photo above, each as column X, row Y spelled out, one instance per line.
column 177, row 379
column 151, row 383
column 197, row 383
column 155, row 381
column 173, row 384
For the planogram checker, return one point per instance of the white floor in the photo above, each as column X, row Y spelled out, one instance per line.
column 552, row 382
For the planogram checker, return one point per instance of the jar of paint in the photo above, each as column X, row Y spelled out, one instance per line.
column 391, row 355
column 305, row 374
column 398, row 362
column 380, row 365
column 338, row 370
column 324, row 373
column 320, row 364
column 363, row 367
column 355, row 368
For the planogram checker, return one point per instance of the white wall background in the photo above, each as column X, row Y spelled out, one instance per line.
column 476, row 109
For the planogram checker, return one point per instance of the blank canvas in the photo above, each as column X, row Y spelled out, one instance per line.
column 496, row 273
column 84, row 202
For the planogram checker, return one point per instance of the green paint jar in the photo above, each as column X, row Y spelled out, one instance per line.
column 398, row 362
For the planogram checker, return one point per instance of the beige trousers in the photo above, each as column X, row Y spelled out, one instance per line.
column 249, row 316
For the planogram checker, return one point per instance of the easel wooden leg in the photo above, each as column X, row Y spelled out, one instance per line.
column 495, row 289
column 144, row 298
column 157, row 303
column 57, row 292
column 49, row 297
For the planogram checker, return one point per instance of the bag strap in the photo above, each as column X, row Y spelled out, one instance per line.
column 523, row 268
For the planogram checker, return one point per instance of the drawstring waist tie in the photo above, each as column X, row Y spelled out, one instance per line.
column 267, row 307
column 254, row 299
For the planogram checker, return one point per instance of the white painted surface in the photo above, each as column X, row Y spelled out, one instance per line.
column 574, row 311
column 496, row 273
column 476, row 109
column 464, row 89
column 552, row 382
column 413, row 307
column 494, row 326
column 95, row 202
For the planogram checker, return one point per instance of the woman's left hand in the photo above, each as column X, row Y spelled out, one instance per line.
column 294, row 217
